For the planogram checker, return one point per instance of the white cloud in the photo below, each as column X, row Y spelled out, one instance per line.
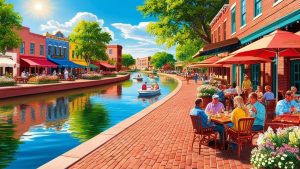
column 54, row 26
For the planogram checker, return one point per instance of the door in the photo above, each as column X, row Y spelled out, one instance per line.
column 255, row 75
column 295, row 74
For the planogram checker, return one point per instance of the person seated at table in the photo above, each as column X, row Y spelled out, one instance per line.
column 294, row 92
column 197, row 111
column 239, row 112
column 54, row 73
column 144, row 86
column 231, row 90
column 258, row 111
column 259, row 93
column 221, row 94
column 287, row 105
column 268, row 95
column 215, row 106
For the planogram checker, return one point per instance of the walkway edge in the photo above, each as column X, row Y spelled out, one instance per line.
column 72, row 156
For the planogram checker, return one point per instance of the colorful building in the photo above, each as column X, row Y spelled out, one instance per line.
column 31, row 55
column 242, row 22
column 114, row 53
column 143, row 63
column 75, row 58
column 57, row 47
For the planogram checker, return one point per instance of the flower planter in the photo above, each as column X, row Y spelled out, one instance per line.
column 205, row 100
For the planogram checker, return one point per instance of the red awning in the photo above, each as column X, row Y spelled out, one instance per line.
column 242, row 60
column 36, row 61
column 105, row 64
column 210, row 60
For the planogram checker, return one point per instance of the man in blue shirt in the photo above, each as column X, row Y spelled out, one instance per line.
column 258, row 111
column 197, row 111
column 287, row 105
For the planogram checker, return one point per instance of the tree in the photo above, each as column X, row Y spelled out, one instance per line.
column 161, row 58
column 127, row 60
column 10, row 22
column 179, row 20
column 90, row 41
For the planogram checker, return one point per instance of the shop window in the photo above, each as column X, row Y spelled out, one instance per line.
column 32, row 48
column 219, row 34
column 42, row 50
column 49, row 50
column 257, row 7
column 110, row 51
column 73, row 54
column 233, row 20
column 22, row 48
column 62, row 51
column 243, row 12
column 224, row 30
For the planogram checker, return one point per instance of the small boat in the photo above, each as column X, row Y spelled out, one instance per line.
column 138, row 78
column 148, row 92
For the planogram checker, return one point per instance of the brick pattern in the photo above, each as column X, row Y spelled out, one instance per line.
column 162, row 139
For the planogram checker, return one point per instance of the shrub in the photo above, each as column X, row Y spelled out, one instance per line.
column 122, row 73
column 43, row 79
column 91, row 76
column 277, row 150
column 206, row 91
column 5, row 81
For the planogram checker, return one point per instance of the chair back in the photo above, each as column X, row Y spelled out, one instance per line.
column 197, row 123
column 270, row 109
column 245, row 125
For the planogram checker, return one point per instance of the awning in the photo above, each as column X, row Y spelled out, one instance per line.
column 65, row 63
column 218, row 47
column 105, row 64
column 199, row 65
column 210, row 60
column 242, row 60
column 6, row 62
column 94, row 66
column 82, row 63
column 36, row 61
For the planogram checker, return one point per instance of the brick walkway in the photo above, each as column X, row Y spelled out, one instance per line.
column 162, row 139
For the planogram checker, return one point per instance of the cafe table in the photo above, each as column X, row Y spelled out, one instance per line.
column 288, row 118
column 223, row 120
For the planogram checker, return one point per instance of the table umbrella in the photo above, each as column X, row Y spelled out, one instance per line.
column 277, row 44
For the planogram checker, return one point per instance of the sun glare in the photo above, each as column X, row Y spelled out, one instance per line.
column 39, row 9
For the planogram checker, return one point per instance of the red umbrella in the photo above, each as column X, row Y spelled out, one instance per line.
column 242, row 60
column 210, row 60
column 276, row 44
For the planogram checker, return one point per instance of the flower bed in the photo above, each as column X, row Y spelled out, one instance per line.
column 91, row 76
column 277, row 150
column 206, row 91
column 43, row 79
column 5, row 81
column 109, row 74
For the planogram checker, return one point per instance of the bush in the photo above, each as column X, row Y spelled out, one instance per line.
column 122, row 73
column 277, row 150
column 43, row 79
column 110, row 75
column 91, row 76
column 5, row 81
column 206, row 91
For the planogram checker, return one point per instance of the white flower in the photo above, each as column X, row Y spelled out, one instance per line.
column 282, row 158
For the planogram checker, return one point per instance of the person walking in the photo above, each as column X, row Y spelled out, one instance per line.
column 196, row 77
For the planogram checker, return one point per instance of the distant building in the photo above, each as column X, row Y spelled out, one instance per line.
column 114, row 53
column 143, row 63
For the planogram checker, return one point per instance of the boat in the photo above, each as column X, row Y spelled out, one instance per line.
column 138, row 78
column 148, row 92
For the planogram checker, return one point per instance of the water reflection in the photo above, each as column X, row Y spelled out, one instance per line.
column 149, row 100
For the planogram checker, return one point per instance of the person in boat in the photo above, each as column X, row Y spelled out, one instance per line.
column 144, row 86
column 155, row 86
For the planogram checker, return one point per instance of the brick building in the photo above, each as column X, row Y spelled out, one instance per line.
column 241, row 22
column 143, row 63
column 114, row 53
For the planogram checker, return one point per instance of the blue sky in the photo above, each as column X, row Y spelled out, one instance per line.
column 118, row 17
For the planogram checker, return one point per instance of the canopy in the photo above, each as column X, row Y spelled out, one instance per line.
column 6, row 62
column 199, row 65
column 36, row 61
column 65, row 63
column 83, row 63
column 94, row 66
column 242, row 60
column 105, row 64
column 210, row 60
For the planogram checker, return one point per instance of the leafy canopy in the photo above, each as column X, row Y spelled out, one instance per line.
column 181, row 20
column 159, row 59
column 127, row 60
column 10, row 21
column 90, row 41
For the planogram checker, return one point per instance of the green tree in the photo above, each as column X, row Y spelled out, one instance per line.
column 90, row 41
column 161, row 58
column 10, row 21
column 179, row 20
column 127, row 60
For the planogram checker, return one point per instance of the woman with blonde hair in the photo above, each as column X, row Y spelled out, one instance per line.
column 240, row 111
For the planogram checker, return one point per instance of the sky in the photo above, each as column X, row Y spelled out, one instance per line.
column 120, row 18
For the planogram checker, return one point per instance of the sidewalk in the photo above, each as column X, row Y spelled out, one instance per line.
column 162, row 139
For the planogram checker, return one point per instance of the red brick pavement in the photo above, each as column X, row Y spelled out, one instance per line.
column 162, row 139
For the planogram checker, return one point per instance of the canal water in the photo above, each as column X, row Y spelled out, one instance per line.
column 35, row 129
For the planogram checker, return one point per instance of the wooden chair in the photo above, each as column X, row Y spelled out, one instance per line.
column 204, row 134
column 242, row 135
column 277, row 125
column 270, row 109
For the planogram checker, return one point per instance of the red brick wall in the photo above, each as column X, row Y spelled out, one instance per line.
column 116, row 55
column 219, row 22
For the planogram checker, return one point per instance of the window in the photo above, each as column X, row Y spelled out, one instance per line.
column 233, row 21
column 54, row 53
column 219, row 34
column 73, row 54
column 224, row 30
column 32, row 48
column 243, row 12
column 65, row 52
column 22, row 48
column 62, row 51
column 42, row 50
column 257, row 7
column 49, row 50
column 215, row 35
column 110, row 51
column 212, row 38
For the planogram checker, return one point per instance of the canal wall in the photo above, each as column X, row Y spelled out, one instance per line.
column 71, row 157
column 14, row 91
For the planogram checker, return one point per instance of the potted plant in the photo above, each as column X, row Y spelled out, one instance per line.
column 277, row 150
column 205, row 92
